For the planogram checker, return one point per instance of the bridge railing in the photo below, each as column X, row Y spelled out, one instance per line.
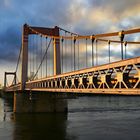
column 118, row 75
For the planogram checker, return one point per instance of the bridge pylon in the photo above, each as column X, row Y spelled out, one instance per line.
column 5, row 78
column 27, row 30
column 24, row 63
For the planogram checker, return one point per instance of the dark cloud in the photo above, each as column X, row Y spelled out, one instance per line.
column 10, row 42
column 14, row 15
column 80, row 16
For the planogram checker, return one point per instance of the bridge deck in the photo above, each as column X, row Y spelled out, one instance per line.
column 121, row 77
column 92, row 91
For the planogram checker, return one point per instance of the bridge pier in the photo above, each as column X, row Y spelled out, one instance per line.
column 39, row 103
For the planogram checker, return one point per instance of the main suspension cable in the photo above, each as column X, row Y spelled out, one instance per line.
column 18, row 59
column 67, row 31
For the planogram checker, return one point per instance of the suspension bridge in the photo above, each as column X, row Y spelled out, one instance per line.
column 57, row 60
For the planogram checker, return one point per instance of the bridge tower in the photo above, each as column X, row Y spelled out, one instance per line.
column 24, row 64
column 27, row 30
column 5, row 78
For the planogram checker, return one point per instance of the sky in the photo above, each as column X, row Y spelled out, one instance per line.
column 80, row 16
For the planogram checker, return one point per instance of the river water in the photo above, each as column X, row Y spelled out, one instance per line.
column 88, row 118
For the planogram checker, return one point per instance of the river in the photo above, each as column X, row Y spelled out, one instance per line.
column 88, row 118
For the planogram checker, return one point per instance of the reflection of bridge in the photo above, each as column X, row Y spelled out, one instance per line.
column 56, row 60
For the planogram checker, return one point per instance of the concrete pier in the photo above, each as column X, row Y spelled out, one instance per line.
column 39, row 103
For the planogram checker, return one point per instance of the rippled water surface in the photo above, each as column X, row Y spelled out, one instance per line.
column 88, row 118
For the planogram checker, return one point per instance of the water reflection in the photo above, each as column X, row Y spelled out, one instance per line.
column 39, row 126
column 6, row 107
column 32, row 126
column 104, row 103
column 105, row 117
column 93, row 117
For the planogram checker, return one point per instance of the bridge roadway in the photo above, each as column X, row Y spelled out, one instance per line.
column 121, row 77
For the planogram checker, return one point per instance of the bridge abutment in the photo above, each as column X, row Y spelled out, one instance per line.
column 39, row 103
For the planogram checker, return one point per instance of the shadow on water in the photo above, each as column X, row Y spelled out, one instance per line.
column 30, row 126
column 39, row 126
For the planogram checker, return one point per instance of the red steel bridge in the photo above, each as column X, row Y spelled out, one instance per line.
column 57, row 60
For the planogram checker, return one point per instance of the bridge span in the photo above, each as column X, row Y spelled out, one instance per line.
column 121, row 77
column 54, row 60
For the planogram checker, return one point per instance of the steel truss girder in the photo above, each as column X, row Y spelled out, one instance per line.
column 118, row 75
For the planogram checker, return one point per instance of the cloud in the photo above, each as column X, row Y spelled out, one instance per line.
column 80, row 16
column 109, row 15
column 9, row 44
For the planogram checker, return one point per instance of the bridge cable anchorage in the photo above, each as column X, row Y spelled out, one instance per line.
column 74, row 41
column 62, row 40
column 121, row 35
column 92, row 41
column 109, row 50
column 125, row 44
column 43, row 58
column 46, row 55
